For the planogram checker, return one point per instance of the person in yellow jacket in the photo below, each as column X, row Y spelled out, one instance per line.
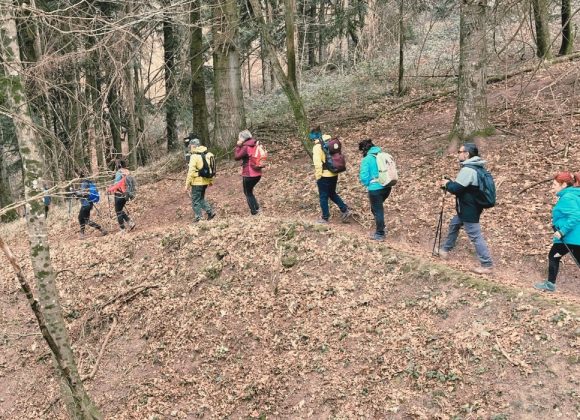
column 325, row 180
column 198, row 184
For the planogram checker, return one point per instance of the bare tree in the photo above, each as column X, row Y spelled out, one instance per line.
column 540, row 8
column 289, row 10
column 198, row 99
column 567, row 36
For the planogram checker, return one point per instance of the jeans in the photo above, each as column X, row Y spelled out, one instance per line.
column 198, row 202
column 249, row 182
column 473, row 231
column 556, row 253
column 377, row 198
column 85, row 218
column 122, row 217
column 327, row 190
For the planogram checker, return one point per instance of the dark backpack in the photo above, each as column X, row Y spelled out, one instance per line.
column 487, row 195
column 93, row 194
column 209, row 166
column 335, row 161
column 130, row 187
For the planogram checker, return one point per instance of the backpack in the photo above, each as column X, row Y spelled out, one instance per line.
column 388, row 175
column 209, row 166
column 93, row 195
column 130, row 187
column 258, row 157
column 487, row 194
column 334, row 159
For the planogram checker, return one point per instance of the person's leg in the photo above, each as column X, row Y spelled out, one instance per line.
column 323, row 193
column 249, row 183
column 46, row 212
column 84, row 214
column 121, row 216
column 473, row 231
column 196, row 199
column 376, row 200
column 204, row 203
column 253, row 182
column 92, row 224
column 454, row 227
column 334, row 196
column 554, row 256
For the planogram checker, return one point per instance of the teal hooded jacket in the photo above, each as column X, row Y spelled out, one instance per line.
column 566, row 215
column 369, row 171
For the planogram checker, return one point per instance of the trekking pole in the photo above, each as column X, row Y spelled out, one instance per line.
column 571, row 253
column 439, row 228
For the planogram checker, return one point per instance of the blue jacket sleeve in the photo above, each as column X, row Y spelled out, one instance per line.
column 570, row 215
column 365, row 173
column 455, row 188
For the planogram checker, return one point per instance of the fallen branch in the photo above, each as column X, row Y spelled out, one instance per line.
column 544, row 181
column 123, row 295
column 505, row 354
column 101, row 352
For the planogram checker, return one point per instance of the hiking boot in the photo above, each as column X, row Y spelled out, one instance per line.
column 377, row 237
column 82, row 235
column 122, row 231
column 443, row 254
column 196, row 219
column 545, row 286
column 104, row 232
column 131, row 225
column 322, row 222
column 483, row 270
column 344, row 216
column 211, row 215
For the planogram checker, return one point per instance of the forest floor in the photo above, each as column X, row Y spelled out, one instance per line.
column 277, row 317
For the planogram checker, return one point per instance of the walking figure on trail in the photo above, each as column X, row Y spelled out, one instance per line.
column 378, row 193
column 566, row 225
column 326, row 178
column 469, row 203
column 88, row 194
column 47, row 200
column 121, row 188
column 251, row 173
column 199, row 177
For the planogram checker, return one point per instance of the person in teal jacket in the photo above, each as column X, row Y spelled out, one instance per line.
column 368, row 175
column 566, row 225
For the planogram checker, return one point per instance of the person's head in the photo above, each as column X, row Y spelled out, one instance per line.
column 365, row 145
column 315, row 133
column 194, row 143
column 244, row 135
column 467, row 151
column 120, row 163
column 82, row 173
column 563, row 180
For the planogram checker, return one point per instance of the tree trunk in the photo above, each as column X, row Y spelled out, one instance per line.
column 401, row 85
column 289, row 89
column 540, row 8
column 5, row 190
column 198, row 99
column 567, row 37
column 289, row 10
column 311, row 34
column 229, row 99
column 131, row 123
column 170, row 72
column 114, row 116
column 79, row 404
column 321, row 24
column 471, row 117
column 142, row 154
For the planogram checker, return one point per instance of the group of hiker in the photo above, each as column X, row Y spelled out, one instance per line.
column 473, row 188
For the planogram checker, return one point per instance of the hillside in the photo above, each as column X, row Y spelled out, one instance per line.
column 277, row 317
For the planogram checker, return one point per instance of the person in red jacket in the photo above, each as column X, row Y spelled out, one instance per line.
column 245, row 147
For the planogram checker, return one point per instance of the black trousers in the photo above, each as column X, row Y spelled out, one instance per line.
column 85, row 218
column 556, row 253
column 249, row 182
column 122, row 217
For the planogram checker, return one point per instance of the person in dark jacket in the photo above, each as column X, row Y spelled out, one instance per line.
column 47, row 201
column 465, row 189
column 368, row 175
column 245, row 146
column 86, row 207
column 566, row 224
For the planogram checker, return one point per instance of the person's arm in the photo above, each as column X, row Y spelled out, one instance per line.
column 317, row 160
column 365, row 173
column 570, row 210
column 464, row 179
column 193, row 170
column 240, row 152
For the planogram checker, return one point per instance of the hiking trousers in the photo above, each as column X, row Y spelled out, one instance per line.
column 85, row 218
column 198, row 202
column 557, row 251
column 473, row 231
column 122, row 217
column 377, row 198
column 249, row 182
column 326, row 191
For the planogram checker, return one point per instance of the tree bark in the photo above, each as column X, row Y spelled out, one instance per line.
column 52, row 322
column 471, row 117
column 289, row 10
column 229, row 110
column 401, row 82
column 540, row 8
column 170, row 72
column 567, row 37
column 114, row 116
column 198, row 98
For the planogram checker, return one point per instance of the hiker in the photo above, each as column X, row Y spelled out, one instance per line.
column 368, row 175
column 325, row 179
column 47, row 200
column 251, row 175
column 466, row 191
column 196, row 182
column 120, row 191
column 187, row 145
column 88, row 195
column 566, row 225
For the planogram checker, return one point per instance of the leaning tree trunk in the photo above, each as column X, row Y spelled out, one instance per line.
column 542, row 28
column 198, row 99
column 291, row 92
column 230, row 115
column 170, row 51
column 49, row 313
column 567, row 37
column 289, row 7
column 471, row 117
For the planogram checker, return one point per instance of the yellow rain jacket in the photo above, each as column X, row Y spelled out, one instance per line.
column 319, row 158
column 195, row 164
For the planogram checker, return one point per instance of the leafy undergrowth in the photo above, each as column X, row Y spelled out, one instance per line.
column 239, row 323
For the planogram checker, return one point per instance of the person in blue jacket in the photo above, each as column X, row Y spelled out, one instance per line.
column 83, row 194
column 566, row 225
column 368, row 175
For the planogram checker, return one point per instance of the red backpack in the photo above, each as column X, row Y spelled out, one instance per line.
column 258, row 157
column 335, row 161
